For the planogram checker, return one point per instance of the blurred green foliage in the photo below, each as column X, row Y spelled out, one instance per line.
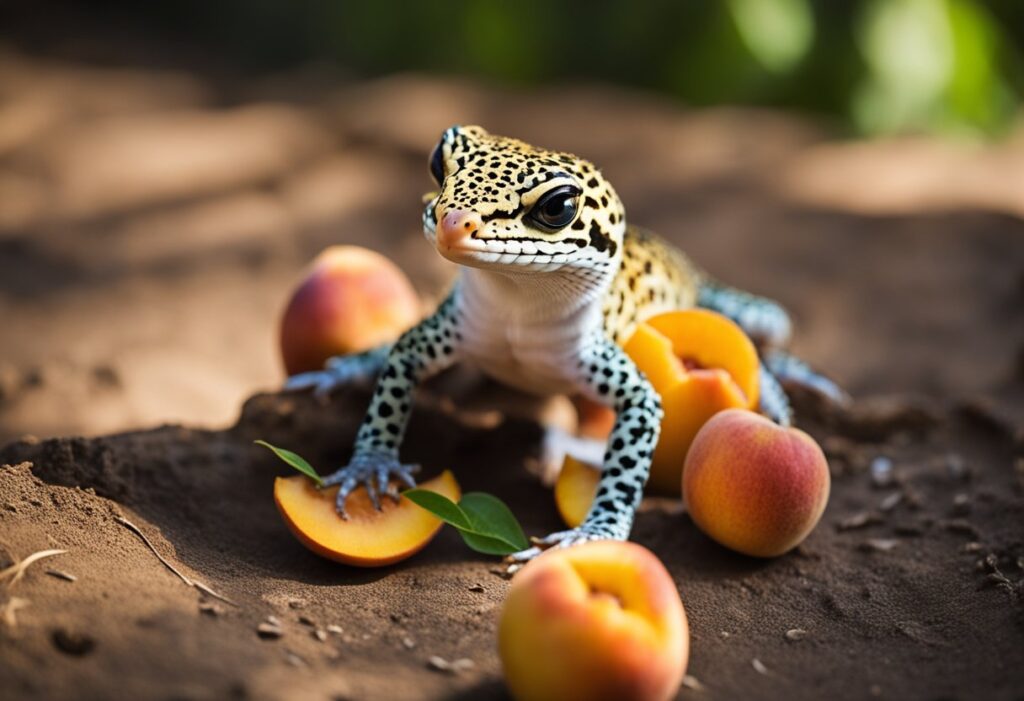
column 877, row 65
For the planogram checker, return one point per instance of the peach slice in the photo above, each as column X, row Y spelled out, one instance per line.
column 575, row 490
column 369, row 538
column 700, row 363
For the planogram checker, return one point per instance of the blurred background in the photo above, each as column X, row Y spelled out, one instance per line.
column 168, row 168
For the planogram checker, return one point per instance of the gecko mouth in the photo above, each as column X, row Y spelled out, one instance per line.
column 496, row 253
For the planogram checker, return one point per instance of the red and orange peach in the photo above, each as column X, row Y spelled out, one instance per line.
column 351, row 300
column 755, row 486
column 592, row 622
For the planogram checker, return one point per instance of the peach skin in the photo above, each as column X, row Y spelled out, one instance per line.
column 369, row 538
column 597, row 621
column 352, row 299
column 755, row 486
column 700, row 363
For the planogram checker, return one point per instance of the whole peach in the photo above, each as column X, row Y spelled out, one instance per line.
column 597, row 621
column 755, row 486
column 351, row 300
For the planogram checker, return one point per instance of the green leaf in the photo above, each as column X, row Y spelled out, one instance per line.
column 484, row 522
column 439, row 505
column 489, row 516
column 295, row 460
column 487, row 546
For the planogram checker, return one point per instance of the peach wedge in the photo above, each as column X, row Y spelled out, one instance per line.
column 575, row 490
column 369, row 538
column 700, row 363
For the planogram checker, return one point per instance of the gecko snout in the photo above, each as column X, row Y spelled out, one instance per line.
column 457, row 225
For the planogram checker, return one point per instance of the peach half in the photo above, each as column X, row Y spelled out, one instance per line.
column 351, row 299
column 700, row 363
column 597, row 621
column 369, row 538
column 754, row 486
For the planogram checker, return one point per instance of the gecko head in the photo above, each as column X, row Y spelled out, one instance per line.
column 505, row 205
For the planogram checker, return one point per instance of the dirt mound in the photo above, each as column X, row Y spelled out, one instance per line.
column 906, row 589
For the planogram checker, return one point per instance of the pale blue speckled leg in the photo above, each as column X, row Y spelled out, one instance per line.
column 772, row 399
column 341, row 370
column 765, row 321
column 768, row 325
column 427, row 348
column 608, row 375
column 791, row 371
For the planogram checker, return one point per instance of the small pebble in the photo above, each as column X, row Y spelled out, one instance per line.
column 273, row 620
column 307, row 621
column 858, row 520
column 758, row 666
column 795, row 634
column 408, row 642
column 477, row 588
column 972, row 547
column 956, row 467
column 881, row 472
column 961, row 504
column 296, row 603
column 294, row 660
column 337, row 630
column 269, row 631
column 891, row 501
column 724, row 634
column 692, row 683
column 442, row 665
column 879, row 544
column 210, row 608
column 320, row 634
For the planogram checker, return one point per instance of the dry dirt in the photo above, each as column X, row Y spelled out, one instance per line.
column 152, row 222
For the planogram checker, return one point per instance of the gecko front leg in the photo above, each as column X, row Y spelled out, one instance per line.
column 608, row 375
column 423, row 350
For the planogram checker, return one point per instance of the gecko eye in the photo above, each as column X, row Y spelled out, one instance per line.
column 437, row 164
column 556, row 209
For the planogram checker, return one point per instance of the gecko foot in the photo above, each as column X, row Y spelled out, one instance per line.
column 373, row 471
column 561, row 539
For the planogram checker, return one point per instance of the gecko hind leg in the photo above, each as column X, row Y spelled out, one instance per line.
column 341, row 370
column 790, row 371
column 764, row 320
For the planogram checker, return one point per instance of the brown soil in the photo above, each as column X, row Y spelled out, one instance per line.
column 160, row 220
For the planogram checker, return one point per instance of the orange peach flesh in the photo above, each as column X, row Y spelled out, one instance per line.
column 753, row 486
column 596, row 621
column 575, row 490
column 369, row 538
column 353, row 299
column 700, row 363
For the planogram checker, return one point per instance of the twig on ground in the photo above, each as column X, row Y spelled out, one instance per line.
column 18, row 568
column 9, row 610
column 190, row 582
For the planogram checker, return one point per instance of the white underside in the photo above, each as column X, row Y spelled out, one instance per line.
column 529, row 330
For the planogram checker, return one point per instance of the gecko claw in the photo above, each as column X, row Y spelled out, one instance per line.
column 561, row 539
column 374, row 473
